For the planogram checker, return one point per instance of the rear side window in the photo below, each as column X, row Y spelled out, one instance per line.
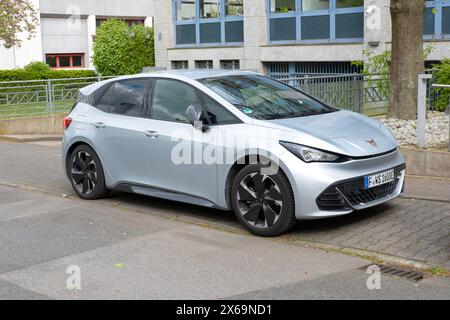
column 124, row 97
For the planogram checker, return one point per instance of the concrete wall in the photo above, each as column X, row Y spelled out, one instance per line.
column 123, row 8
column 427, row 162
column 61, row 35
column 52, row 124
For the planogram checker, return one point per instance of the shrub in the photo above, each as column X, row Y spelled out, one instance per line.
column 34, row 74
column 37, row 66
column 120, row 49
column 443, row 77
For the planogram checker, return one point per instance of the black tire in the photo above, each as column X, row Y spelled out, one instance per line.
column 257, row 205
column 86, row 174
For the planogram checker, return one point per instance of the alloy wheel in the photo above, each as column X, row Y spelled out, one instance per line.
column 84, row 172
column 259, row 199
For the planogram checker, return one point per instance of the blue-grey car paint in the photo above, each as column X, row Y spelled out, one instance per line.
column 135, row 158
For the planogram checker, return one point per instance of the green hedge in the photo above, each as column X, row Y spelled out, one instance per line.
column 443, row 77
column 40, row 71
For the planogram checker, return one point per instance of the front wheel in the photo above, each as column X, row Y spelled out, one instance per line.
column 86, row 173
column 263, row 203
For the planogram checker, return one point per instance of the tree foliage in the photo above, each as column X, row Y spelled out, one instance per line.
column 376, row 68
column 16, row 17
column 120, row 49
column 443, row 77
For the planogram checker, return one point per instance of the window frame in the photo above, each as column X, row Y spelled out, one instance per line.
column 298, row 14
column 58, row 56
column 128, row 20
column 174, row 63
column 198, row 20
column 438, row 5
column 235, row 63
column 145, row 101
column 199, row 93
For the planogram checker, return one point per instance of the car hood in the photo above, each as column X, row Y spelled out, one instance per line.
column 343, row 132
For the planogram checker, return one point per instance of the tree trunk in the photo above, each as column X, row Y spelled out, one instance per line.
column 407, row 60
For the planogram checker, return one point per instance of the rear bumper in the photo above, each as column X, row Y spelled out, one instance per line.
column 344, row 182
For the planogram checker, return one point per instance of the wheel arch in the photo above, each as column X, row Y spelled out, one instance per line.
column 243, row 162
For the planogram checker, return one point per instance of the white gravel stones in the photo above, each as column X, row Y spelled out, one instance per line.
column 406, row 130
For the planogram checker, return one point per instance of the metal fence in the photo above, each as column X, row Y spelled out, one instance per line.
column 35, row 97
column 346, row 91
column 356, row 92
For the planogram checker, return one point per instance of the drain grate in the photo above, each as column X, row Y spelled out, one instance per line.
column 408, row 274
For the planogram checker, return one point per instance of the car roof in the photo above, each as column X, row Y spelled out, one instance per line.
column 193, row 74
column 202, row 73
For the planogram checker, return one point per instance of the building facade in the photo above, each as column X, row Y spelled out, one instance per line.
column 66, row 31
column 283, row 37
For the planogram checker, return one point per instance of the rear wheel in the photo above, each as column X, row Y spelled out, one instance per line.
column 86, row 173
column 263, row 203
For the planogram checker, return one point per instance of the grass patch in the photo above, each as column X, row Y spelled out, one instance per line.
column 33, row 109
column 439, row 271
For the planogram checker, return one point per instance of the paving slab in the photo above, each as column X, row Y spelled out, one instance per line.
column 182, row 263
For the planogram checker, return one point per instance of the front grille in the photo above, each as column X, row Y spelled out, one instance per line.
column 355, row 193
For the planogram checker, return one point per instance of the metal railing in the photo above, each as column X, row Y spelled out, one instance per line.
column 354, row 92
column 447, row 112
column 36, row 97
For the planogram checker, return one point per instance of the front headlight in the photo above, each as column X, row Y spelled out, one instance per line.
column 308, row 154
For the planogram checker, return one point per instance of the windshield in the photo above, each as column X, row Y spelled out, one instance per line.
column 264, row 98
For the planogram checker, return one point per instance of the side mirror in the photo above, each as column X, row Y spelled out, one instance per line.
column 196, row 116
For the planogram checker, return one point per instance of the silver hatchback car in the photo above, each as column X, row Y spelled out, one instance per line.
column 229, row 140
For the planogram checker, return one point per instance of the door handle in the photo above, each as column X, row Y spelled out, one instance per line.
column 151, row 134
column 100, row 125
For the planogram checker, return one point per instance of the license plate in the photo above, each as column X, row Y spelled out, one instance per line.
column 379, row 179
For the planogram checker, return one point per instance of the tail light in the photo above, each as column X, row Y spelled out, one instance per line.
column 66, row 122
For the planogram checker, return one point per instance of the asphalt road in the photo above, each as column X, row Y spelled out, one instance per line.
column 132, row 247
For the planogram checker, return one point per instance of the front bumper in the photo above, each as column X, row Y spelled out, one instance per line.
column 341, row 184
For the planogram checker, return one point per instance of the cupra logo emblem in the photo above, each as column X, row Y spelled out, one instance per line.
column 372, row 143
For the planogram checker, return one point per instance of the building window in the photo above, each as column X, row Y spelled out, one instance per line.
column 65, row 60
column 234, row 7
column 437, row 19
column 310, row 5
column 349, row 3
column 283, row 70
column 208, row 22
column 297, row 21
column 181, row 64
column 229, row 64
column 185, row 10
column 203, row 64
column 129, row 21
column 209, row 9
column 282, row 6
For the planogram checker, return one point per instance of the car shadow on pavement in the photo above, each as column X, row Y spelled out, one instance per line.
column 173, row 209
column 227, row 219
column 358, row 218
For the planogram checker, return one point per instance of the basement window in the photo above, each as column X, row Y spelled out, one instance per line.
column 65, row 60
